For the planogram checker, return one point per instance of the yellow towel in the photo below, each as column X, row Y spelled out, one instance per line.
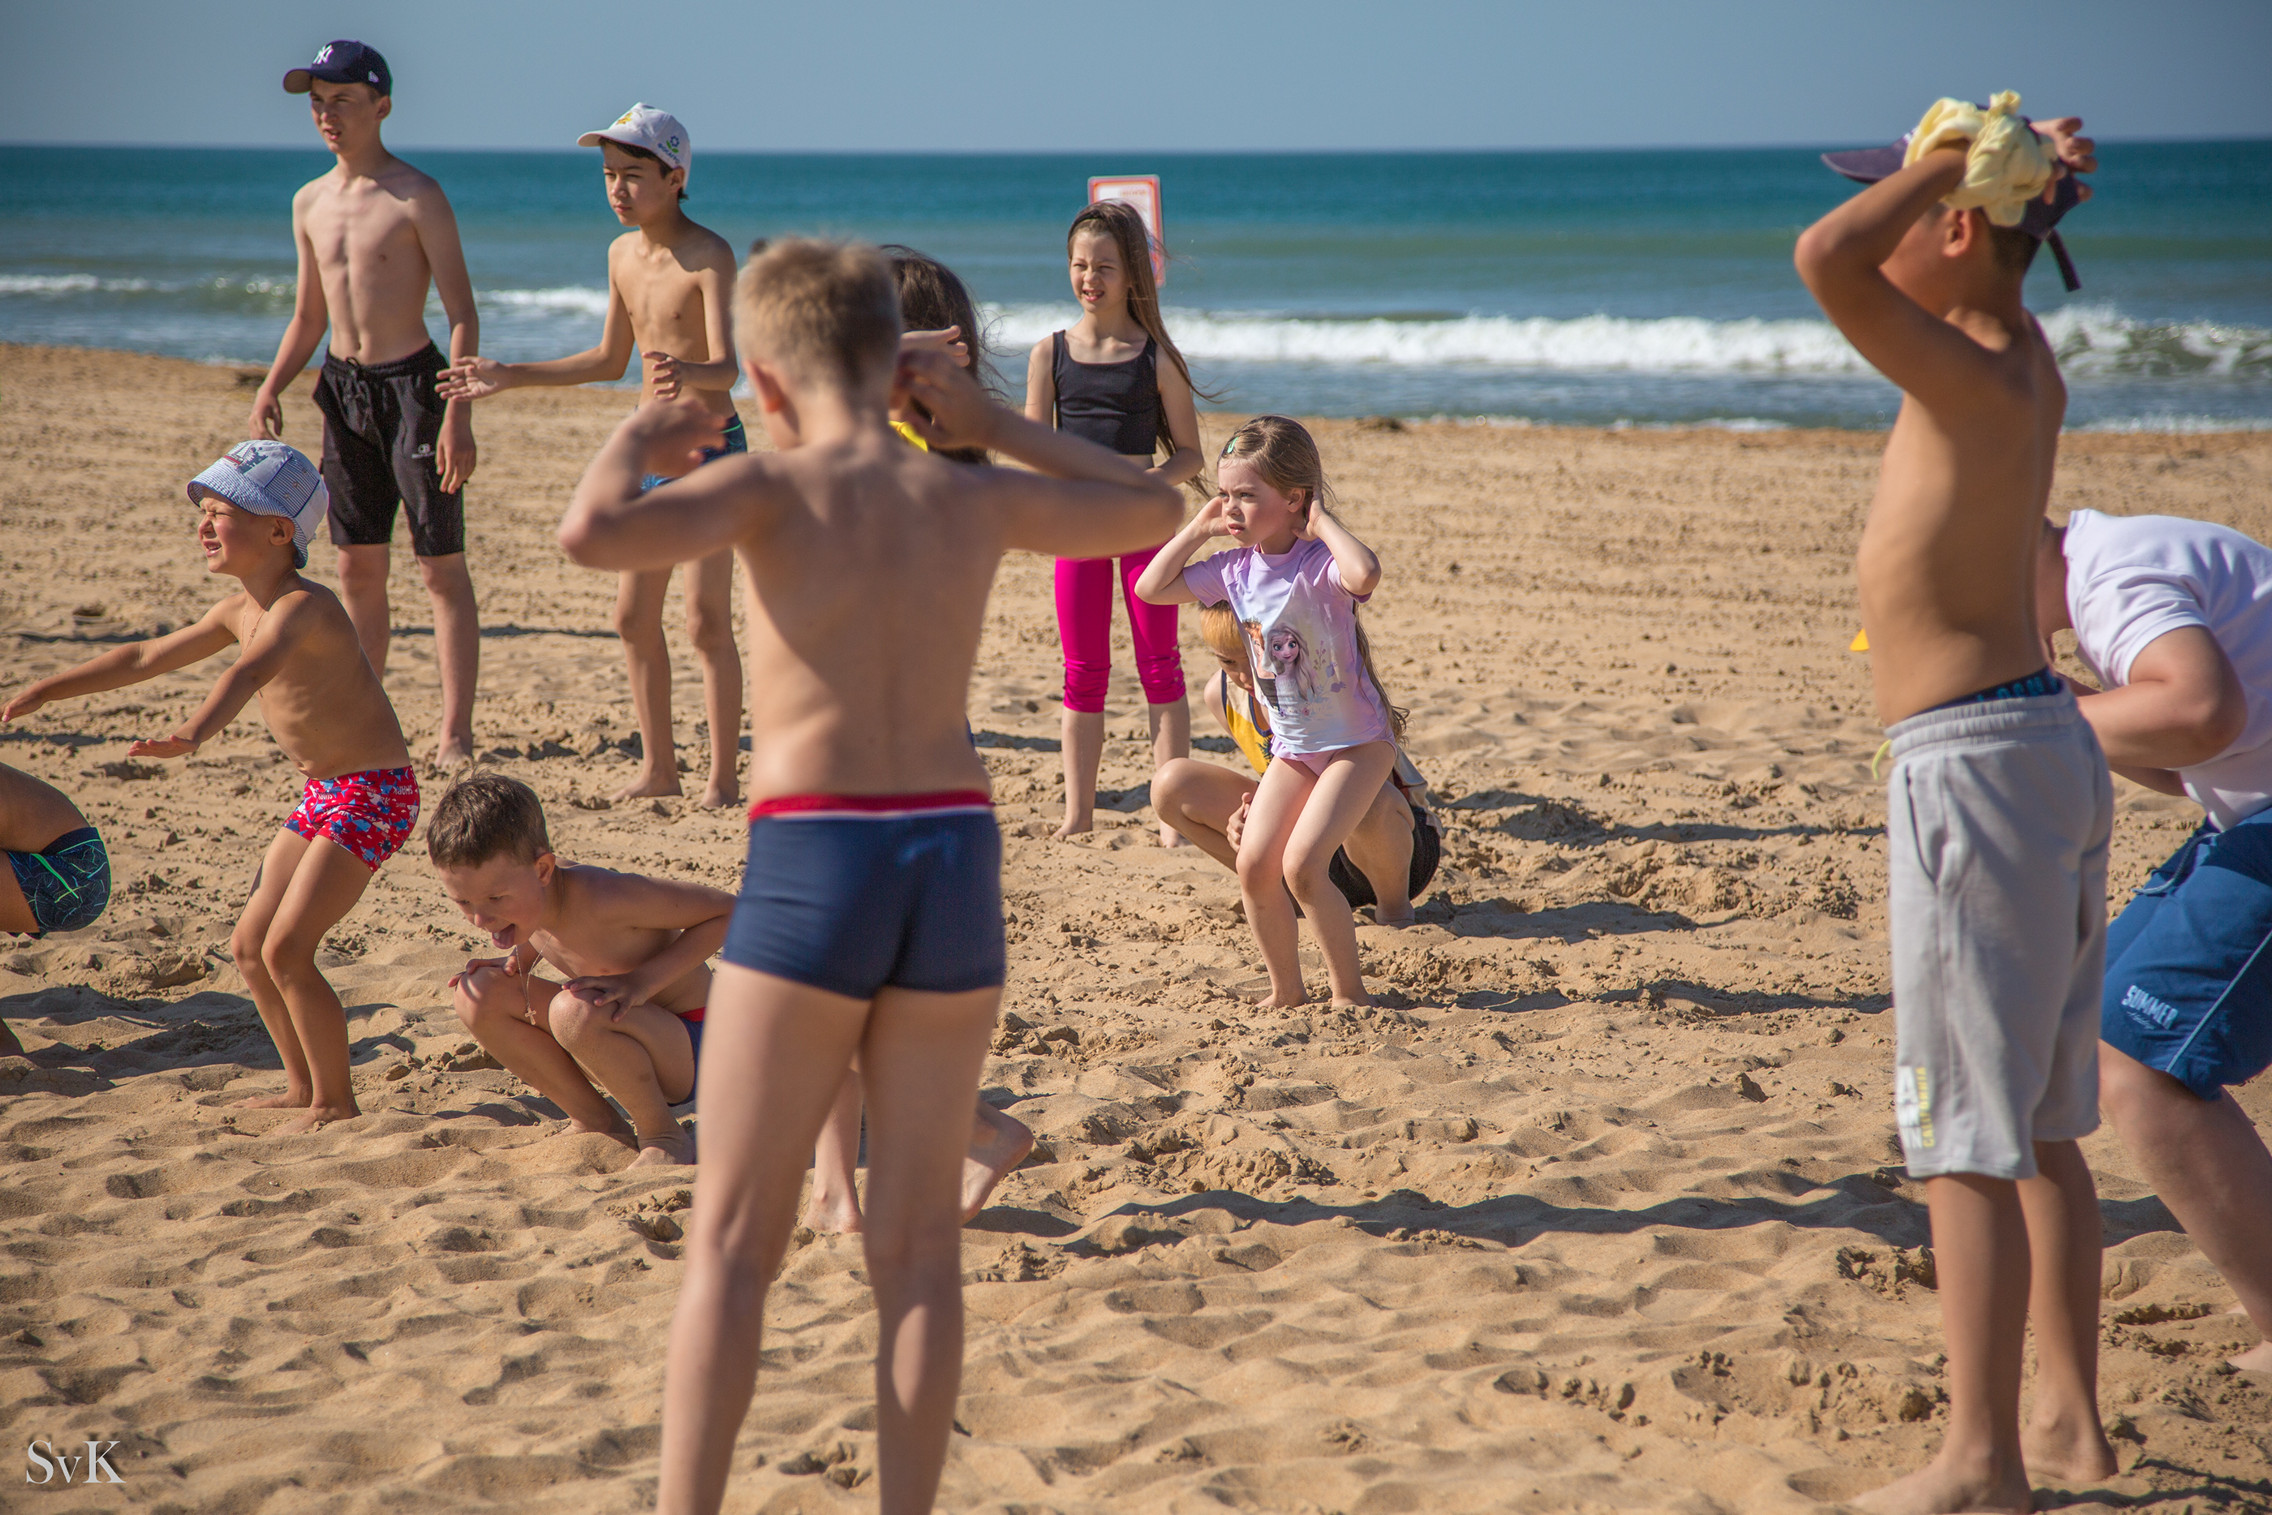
column 2005, row 163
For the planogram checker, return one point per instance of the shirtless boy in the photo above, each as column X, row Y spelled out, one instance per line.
column 258, row 510
column 1999, row 805
column 2174, row 616
column 372, row 234
column 635, row 952
column 870, row 917
column 669, row 282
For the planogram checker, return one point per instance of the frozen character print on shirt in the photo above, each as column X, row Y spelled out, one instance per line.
column 1258, row 657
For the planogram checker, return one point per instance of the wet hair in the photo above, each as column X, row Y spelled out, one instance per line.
column 931, row 298
column 826, row 311
column 483, row 816
column 650, row 155
column 1285, row 454
column 1125, row 227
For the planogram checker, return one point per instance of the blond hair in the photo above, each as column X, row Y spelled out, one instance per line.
column 1219, row 628
column 827, row 312
column 1285, row 454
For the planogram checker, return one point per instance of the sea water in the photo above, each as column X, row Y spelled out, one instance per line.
column 1593, row 288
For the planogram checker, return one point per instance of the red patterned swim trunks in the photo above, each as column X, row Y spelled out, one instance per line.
column 368, row 813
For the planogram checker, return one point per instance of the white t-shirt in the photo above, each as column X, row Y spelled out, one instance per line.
column 2131, row 579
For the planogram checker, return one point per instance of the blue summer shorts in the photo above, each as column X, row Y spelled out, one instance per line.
column 854, row 893
column 2189, row 962
column 67, row 882
column 734, row 439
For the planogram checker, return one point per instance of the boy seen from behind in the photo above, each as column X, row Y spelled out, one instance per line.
column 669, row 284
column 635, row 952
column 372, row 235
column 1998, row 806
column 258, row 510
column 870, row 919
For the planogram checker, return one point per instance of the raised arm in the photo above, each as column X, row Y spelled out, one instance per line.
column 1161, row 582
column 610, row 524
column 263, row 658
column 1081, row 501
column 301, row 334
column 1840, row 258
column 130, row 664
column 445, row 257
column 2182, row 704
column 1184, row 460
column 1360, row 570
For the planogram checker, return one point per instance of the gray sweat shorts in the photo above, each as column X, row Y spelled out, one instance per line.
column 1997, row 820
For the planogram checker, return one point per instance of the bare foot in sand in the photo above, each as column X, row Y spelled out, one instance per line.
column 453, row 752
column 832, row 1214
column 620, row 1130
column 1273, row 1002
column 720, row 796
column 1395, row 922
column 672, row 1149
column 1170, row 837
column 290, row 1099
column 648, row 786
column 1000, row 1144
column 1075, row 825
column 2068, row 1453
column 1352, row 1004
column 1942, row 1488
column 313, row 1117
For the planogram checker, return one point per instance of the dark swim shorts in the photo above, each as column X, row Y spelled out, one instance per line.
column 2189, row 962
column 1427, row 853
column 382, row 433
column 851, row 893
column 67, row 882
column 735, row 438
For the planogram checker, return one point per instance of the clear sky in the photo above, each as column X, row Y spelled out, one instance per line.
column 1012, row 75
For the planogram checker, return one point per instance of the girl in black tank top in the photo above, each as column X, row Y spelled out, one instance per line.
column 1116, row 379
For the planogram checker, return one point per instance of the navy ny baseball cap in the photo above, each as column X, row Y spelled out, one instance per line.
column 1869, row 164
column 342, row 63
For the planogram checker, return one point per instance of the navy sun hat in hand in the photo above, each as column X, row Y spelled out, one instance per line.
column 1869, row 164
column 342, row 63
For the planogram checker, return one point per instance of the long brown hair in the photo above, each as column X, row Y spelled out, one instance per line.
column 1285, row 454
column 931, row 298
column 1126, row 228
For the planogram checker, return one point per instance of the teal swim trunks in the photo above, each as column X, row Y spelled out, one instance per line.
column 67, row 882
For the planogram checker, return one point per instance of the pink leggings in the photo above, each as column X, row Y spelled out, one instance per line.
column 1084, row 625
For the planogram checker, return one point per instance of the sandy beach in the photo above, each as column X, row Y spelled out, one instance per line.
column 1600, row 1209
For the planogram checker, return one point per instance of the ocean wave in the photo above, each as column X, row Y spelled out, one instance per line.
column 2092, row 342
column 573, row 298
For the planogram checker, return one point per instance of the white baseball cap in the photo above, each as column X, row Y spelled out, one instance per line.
column 270, row 478
column 659, row 132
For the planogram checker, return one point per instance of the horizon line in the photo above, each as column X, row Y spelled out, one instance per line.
column 1081, row 152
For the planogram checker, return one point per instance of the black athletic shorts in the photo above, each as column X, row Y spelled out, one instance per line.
column 1427, row 853
column 382, row 431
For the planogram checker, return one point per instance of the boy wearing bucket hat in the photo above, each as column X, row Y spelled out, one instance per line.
column 259, row 508
column 668, row 284
column 1999, row 806
column 372, row 235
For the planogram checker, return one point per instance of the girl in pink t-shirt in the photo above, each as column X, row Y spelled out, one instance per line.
column 1294, row 581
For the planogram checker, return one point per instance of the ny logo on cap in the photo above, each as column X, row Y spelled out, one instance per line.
column 324, row 56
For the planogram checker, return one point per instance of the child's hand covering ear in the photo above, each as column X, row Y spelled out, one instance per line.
column 2005, row 163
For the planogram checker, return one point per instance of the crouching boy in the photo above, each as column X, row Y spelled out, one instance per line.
column 634, row 952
